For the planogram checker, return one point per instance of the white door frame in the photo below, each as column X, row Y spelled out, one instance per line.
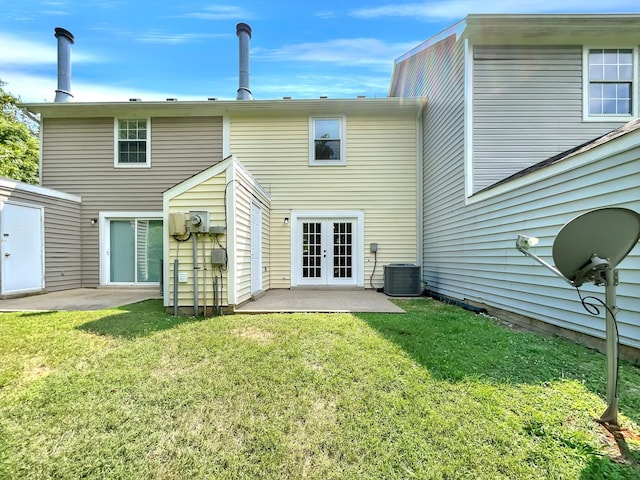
column 355, row 216
column 256, row 248
column 103, row 222
column 3, row 270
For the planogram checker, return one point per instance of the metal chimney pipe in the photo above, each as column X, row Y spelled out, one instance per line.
column 243, row 31
column 65, row 40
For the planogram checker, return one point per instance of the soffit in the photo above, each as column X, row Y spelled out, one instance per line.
column 562, row 29
column 385, row 106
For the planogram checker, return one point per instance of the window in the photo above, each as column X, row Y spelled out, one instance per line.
column 610, row 83
column 132, row 145
column 327, row 141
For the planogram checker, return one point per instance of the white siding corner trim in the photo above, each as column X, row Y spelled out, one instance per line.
column 468, row 119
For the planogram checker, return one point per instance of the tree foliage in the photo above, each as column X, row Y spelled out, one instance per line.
column 19, row 146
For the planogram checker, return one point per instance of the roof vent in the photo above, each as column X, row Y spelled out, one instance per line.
column 135, row 100
column 172, row 99
column 65, row 40
column 243, row 31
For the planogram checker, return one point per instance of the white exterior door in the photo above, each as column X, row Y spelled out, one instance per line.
column 256, row 248
column 131, row 248
column 21, row 249
column 327, row 252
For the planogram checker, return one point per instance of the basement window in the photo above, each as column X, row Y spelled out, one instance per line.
column 327, row 141
column 132, row 143
column 610, row 84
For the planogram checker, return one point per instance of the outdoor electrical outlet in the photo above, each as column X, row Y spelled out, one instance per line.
column 374, row 247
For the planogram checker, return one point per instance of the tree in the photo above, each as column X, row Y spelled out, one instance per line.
column 19, row 146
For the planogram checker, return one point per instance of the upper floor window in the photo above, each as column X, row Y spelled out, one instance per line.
column 327, row 141
column 611, row 83
column 132, row 143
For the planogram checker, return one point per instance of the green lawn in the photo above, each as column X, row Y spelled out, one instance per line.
column 435, row 393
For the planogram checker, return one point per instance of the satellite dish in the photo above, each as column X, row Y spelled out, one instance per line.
column 602, row 234
column 588, row 249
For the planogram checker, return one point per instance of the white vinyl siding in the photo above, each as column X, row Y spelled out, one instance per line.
column 471, row 253
column 77, row 157
column 527, row 106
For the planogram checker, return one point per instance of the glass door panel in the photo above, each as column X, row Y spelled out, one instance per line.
column 122, row 252
column 135, row 251
column 312, row 250
column 149, row 249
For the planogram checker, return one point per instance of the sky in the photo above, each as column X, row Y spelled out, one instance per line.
column 188, row 49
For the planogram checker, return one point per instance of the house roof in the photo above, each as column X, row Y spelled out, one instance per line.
column 625, row 129
column 543, row 29
column 224, row 107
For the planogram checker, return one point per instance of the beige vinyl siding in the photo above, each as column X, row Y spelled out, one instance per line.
column 245, row 194
column 206, row 191
column 62, row 267
column 78, row 157
column 379, row 178
column 209, row 196
column 527, row 106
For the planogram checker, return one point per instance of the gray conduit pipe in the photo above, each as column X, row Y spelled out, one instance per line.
column 175, row 287
column 195, row 275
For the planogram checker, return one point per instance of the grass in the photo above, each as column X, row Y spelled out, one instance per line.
column 435, row 393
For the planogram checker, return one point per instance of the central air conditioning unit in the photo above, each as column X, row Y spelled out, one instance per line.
column 402, row 280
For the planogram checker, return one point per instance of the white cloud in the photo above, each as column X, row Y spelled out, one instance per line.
column 369, row 52
column 218, row 12
column 176, row 38
column 16, row 51
column 457, row 9
column 40, row 88
column 314, row 86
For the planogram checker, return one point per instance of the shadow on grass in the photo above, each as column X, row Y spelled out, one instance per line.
column 454, row 345
column 136, row 320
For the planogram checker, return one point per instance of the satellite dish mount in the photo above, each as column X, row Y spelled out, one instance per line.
column 587, row 250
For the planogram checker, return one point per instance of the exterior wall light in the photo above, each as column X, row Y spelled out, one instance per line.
column 286, row 221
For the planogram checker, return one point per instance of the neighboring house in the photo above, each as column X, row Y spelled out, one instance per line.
column 505, row 93
column 327, row 178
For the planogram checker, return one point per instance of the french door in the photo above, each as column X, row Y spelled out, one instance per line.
column 327, row 251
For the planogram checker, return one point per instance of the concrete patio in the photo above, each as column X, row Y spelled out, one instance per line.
column 79, row 299
column 312, row 300
column 273, row 301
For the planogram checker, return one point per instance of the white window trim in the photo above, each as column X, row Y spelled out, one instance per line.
column 104, row 241
column 343, row 141
column 116, row 164
column 586, row 117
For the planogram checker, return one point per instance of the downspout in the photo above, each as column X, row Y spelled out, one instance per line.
column 65, row 40
column 243, row 31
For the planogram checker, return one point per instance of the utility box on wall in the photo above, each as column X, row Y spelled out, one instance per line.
column 402, row 280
